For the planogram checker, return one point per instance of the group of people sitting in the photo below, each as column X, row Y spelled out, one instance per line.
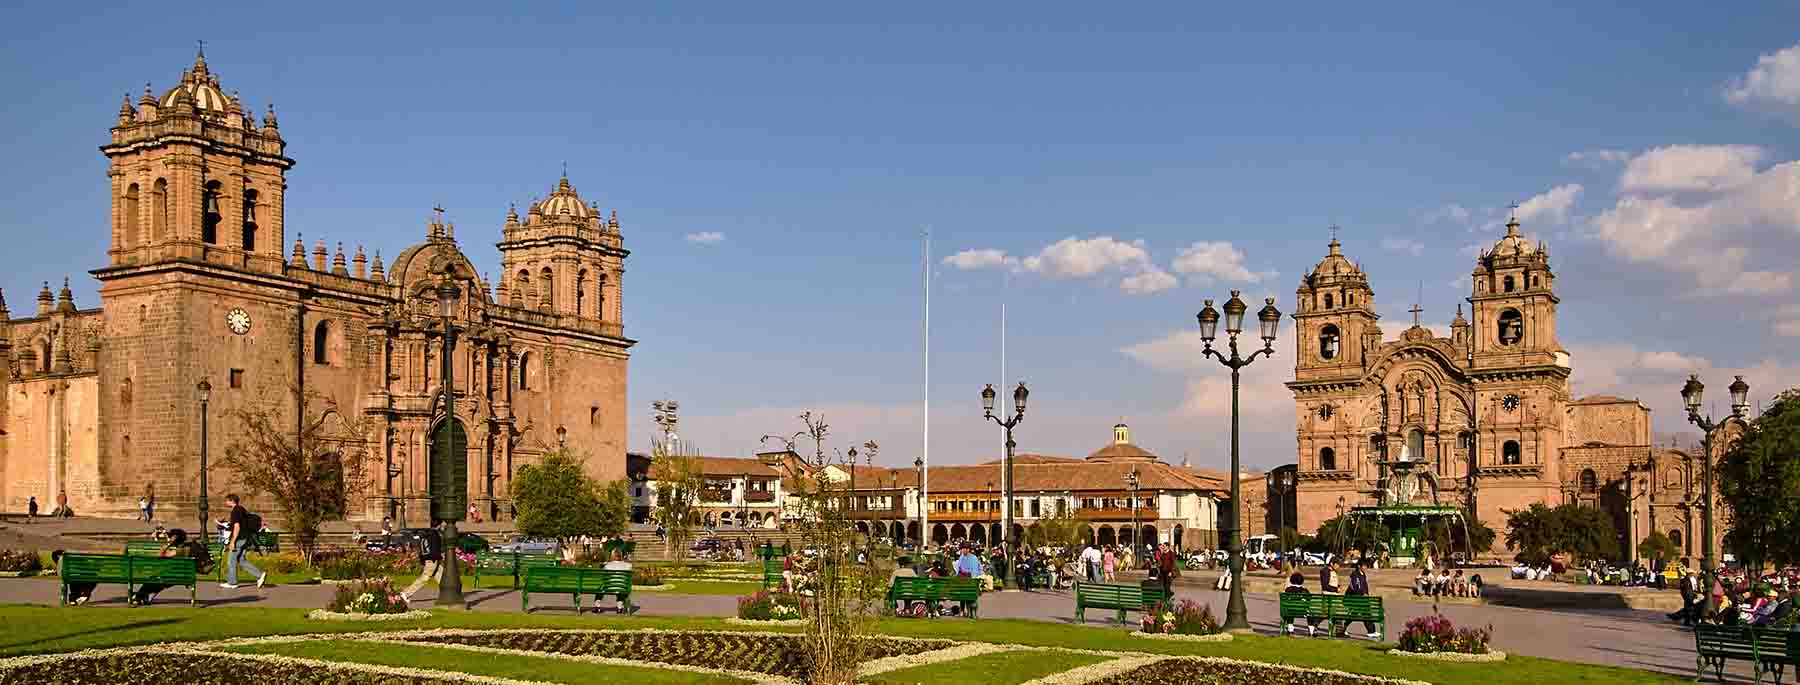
column 1524, row 571
column 1737, row 601
column 1446, row 583
column 1329, row 580
column 175, row 544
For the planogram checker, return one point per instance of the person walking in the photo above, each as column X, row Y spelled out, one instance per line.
column 1108, row 565
column 1165, row 569
column 1359, row 587
column 150, row 506
column 1090, row 562
column 431, row 555
column 31, row 509
column 244, row 526
column 143, row 509
column 1328, row 578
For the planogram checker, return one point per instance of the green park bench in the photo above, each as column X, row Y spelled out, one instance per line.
column 1769, row 650
column 771, row 574
column 576, row 581
column 130, row 570
column 153, row 548
column 965, row 591
column 1336, row 611
column 625, row 547
column 1122, row 598
column 266, row 541
column 512, row 564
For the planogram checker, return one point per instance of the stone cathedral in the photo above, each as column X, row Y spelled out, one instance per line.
column 199, row 283
column 1487, row 412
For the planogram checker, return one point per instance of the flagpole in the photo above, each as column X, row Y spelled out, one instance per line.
column 925, row 451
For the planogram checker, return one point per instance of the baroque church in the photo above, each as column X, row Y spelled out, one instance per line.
column 101, row 405
column 1486, row 413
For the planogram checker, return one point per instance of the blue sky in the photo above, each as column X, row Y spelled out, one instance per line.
column 1650, row 146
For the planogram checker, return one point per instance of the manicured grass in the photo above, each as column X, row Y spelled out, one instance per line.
column 497, row 665
column 1002, row 668
column 38, row 629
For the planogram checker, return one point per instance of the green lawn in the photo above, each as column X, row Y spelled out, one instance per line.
column 1001, row 668
column 497, row 665
column 38, row 629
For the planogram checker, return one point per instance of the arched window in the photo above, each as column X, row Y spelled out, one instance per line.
column 1675, row 537
column 524, row 370
column 600, row 297
column 1327, row 459
column 521, row 288
column 1534, row 280
column 1511, row 327
column 1415, row 444
column 1328, row 342
column 210, row 216
column 125, row 394
column 249, row 221
column 1349, row 299
column 1327, row 300
column 130, row 209
column 1509, row 453
column 159, row 209
column 581, row 293
column 1590, row 483
column 546, row 289
column 321, row 340
column 1506, row 284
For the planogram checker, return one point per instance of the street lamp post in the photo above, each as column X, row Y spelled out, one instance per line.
column 1269, row 319
column 1692, row 393
column 204, row 392
column 1131, row 490
column 1283, row 481
column 1006, row 473
column 850, row 501
column 919, row 497
column 450, row 594
column 1340, row 524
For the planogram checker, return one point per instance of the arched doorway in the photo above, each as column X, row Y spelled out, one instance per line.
column 912, row 531
column 1106, row 536
column 724, row 519
column 896, row 532
column 450, row 447
column 959, row 532
column 1149, row 536
column 756, row 518
column 938, row 534
column 862, row 527
column 978, row 534
column 1126, row 536
column 1088, row 534
column 1018, row 533
column 994, row 533
column 1176, row 535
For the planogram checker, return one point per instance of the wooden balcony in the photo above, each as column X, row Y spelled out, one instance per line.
column 715, row 495
column 1113, row 514
column 759, row 496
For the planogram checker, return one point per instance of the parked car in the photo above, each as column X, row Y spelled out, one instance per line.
column 407, row 540
column 472, row 543
column 525, row 545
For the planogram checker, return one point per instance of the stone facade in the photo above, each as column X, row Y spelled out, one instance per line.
column 101, row 404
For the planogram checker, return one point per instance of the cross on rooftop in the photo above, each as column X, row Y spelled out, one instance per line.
column 1415, row 312
column 1334, row 231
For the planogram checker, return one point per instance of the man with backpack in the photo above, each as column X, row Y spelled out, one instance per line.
column 244, row 527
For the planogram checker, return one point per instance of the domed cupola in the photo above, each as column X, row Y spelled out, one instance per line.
column 562, row 204
column 202, row 87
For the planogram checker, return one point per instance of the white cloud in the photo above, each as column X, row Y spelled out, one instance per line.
column 1452, row 212
column 1597, row 157
column 1206, row 262
column 1078, row 258
column 1681, row 168
column 1403, row 245
column 1654, row 377
column 979, row 259
column 1208, row 390
column 1773, row 84
column 706, row 238
column 1148, row 282
column 1551, row 206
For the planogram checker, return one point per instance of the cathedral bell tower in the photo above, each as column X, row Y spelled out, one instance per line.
column 1334, row 319
column 195, row 178
column 1513, row 305
column 564, row 259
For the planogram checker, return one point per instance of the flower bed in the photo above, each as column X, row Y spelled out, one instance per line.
column 1219, row 671
column 647, row 575
column 1179, row 637
column 20, row 563
column 1490, row 655
column 765, row 622
column 145, row 666
column 356, row 564
column 771, row 653
column 1188, row 618
column 1435, row 634
column 355, row 617
column 378, row 596
column 772, row 606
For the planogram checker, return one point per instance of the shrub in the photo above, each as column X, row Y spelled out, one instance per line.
column 647, row 575
column 356, row 564
column 286, row 562
column 378, row 596
column 772, row 606
column 20, row 561
column 1185, row 618
column 1434, row 633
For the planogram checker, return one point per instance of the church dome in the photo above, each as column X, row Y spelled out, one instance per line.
column 563, row 202
column 1335, row 262
column 1121, row 448
column 202, row 86
column 1512, row 243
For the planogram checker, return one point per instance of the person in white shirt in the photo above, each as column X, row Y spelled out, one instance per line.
column 1090, row 561
column 617, row 563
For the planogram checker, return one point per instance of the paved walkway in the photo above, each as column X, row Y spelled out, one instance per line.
column 1615, row 637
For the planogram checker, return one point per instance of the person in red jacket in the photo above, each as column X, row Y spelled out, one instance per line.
column 1165, row 568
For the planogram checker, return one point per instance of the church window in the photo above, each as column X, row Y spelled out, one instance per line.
column 1327, row 300
column 320, row 341
column 1415, row 444
column 210, row 216
column 1511, row 327
column 1507, row 284
column 1675, row 537
column 600, row 297
column 593, row 416
column 1534, row 280
column 581, row 293
column 1509, row 453
column 1328, row 342
column 1590, row 483
column 236, row 379
column 125, row 393
column 521, row 288
column 1378, row 445
column 44, row 356
column 125, row 447
column 1327, row 459
column 130, row 210
column 1465, row 439
column 159, row 209
column 546, row 289
column 249, row 221
column 524, row 370
column 1349, row 299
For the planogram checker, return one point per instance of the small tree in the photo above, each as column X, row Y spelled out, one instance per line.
column 1759, row 476
column 1540, row 532
column 312, row 471
column 1342, row 534
column 1534, row 533
column 1062, row 529
column 679, row 478
column 557, row 499
column 1657, row 543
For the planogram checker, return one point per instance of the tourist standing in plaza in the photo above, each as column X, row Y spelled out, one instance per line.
column 1108, row 565
column 244, row 527
column 143, row 509
column 1165, row 569
column 1090, row 563
column 1359, row 587
column 31, row 510
column 1328, row 577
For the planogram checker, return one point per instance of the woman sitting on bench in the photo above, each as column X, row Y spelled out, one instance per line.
column 177, row 546
column 79, row 593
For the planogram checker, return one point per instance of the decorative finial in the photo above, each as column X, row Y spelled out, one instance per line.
column 1512, row 223
column 269, row 117
column 377, row 273
column 200, row 58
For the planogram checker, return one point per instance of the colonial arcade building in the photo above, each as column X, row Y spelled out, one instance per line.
column 199, row 283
